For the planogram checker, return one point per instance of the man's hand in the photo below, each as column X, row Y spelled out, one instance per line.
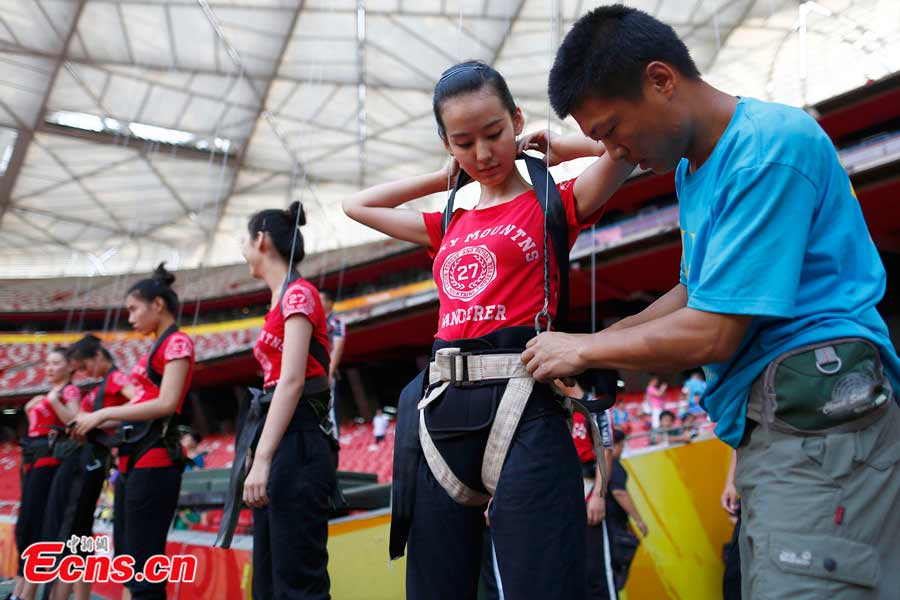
column 553, row 355
column 596, row 509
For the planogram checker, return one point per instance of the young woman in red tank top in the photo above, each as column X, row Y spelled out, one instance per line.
column 149, row 479
column 293, row 473
column 79, row 479
column 489, row 271
column 39, row 466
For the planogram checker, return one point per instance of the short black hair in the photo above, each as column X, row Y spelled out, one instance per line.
column 464, row 78
column 158, row 285
column 283, row 227
column 605, row 53
column 666, row 413
column 618, row 436
column 326, row 295
column 87, row 347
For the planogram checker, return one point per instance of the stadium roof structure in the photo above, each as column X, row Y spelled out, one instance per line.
column 135, row 131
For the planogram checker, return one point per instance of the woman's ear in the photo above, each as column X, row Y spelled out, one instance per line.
column 158, row 304
column 518, row 122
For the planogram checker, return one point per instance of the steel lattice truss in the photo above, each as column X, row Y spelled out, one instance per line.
column 313, row 98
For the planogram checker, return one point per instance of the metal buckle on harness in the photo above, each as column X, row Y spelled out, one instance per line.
column 125, row 433
column 463, row 379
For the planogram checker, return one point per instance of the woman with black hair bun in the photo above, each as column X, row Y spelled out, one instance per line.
column 292, row 474
column 79, row 479
column 46, row 413
column 150, row 458
column 496, row 278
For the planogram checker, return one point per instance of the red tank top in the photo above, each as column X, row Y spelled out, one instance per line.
column 42, row 416
column 300, row 298
column 177, row 346
column 489, row 265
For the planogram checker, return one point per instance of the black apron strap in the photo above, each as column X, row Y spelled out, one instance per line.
column 245, row 441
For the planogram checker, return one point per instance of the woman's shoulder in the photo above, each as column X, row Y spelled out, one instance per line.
column 300, row 297
column 178, row 345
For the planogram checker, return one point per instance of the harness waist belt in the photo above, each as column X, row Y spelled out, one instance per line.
column 452, row 366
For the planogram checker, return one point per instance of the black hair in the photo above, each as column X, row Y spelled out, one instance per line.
column 158, row 285
column 326, row 295
column 467, row 77
column 605, row 54
column 618, row 436
column 59, row 350
column 194, row 436
column 666, row 413
column 283, row 229
column 87, row 347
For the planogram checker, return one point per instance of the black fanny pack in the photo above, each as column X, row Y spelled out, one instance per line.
column 833, row 386
column 34, row 449
column 136, row 438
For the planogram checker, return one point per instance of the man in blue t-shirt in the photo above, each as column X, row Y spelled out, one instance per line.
column 778, row 287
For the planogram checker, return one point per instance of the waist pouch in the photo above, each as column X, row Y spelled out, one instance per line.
column 35, row 448
column 833, row 386
column 64, row 447
column 136, row 438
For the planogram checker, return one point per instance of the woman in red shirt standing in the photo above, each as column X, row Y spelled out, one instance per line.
column 489, row 267
column 150, row 461
column 79, row 479
column 292, row 477
column 39, row 466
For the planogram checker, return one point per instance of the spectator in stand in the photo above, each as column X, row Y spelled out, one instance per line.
column 656, row 397
column 667, row 432
column 689, row 425
column 691, row 392
column 190, row 441
column 379, row 426
column 619, row 506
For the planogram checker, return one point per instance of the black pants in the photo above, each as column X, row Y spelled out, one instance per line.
column 75, row 490
column 538, row 523
column 144, row 506
column 290, row 534
column 731, row 580
column 33, row 508
column 600, row 579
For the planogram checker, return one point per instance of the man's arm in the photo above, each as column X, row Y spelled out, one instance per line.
column 666, row 304
column 679, row 340
column 624, row 500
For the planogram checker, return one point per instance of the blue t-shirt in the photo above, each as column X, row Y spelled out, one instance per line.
column 694, row 389
column 771, row 228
